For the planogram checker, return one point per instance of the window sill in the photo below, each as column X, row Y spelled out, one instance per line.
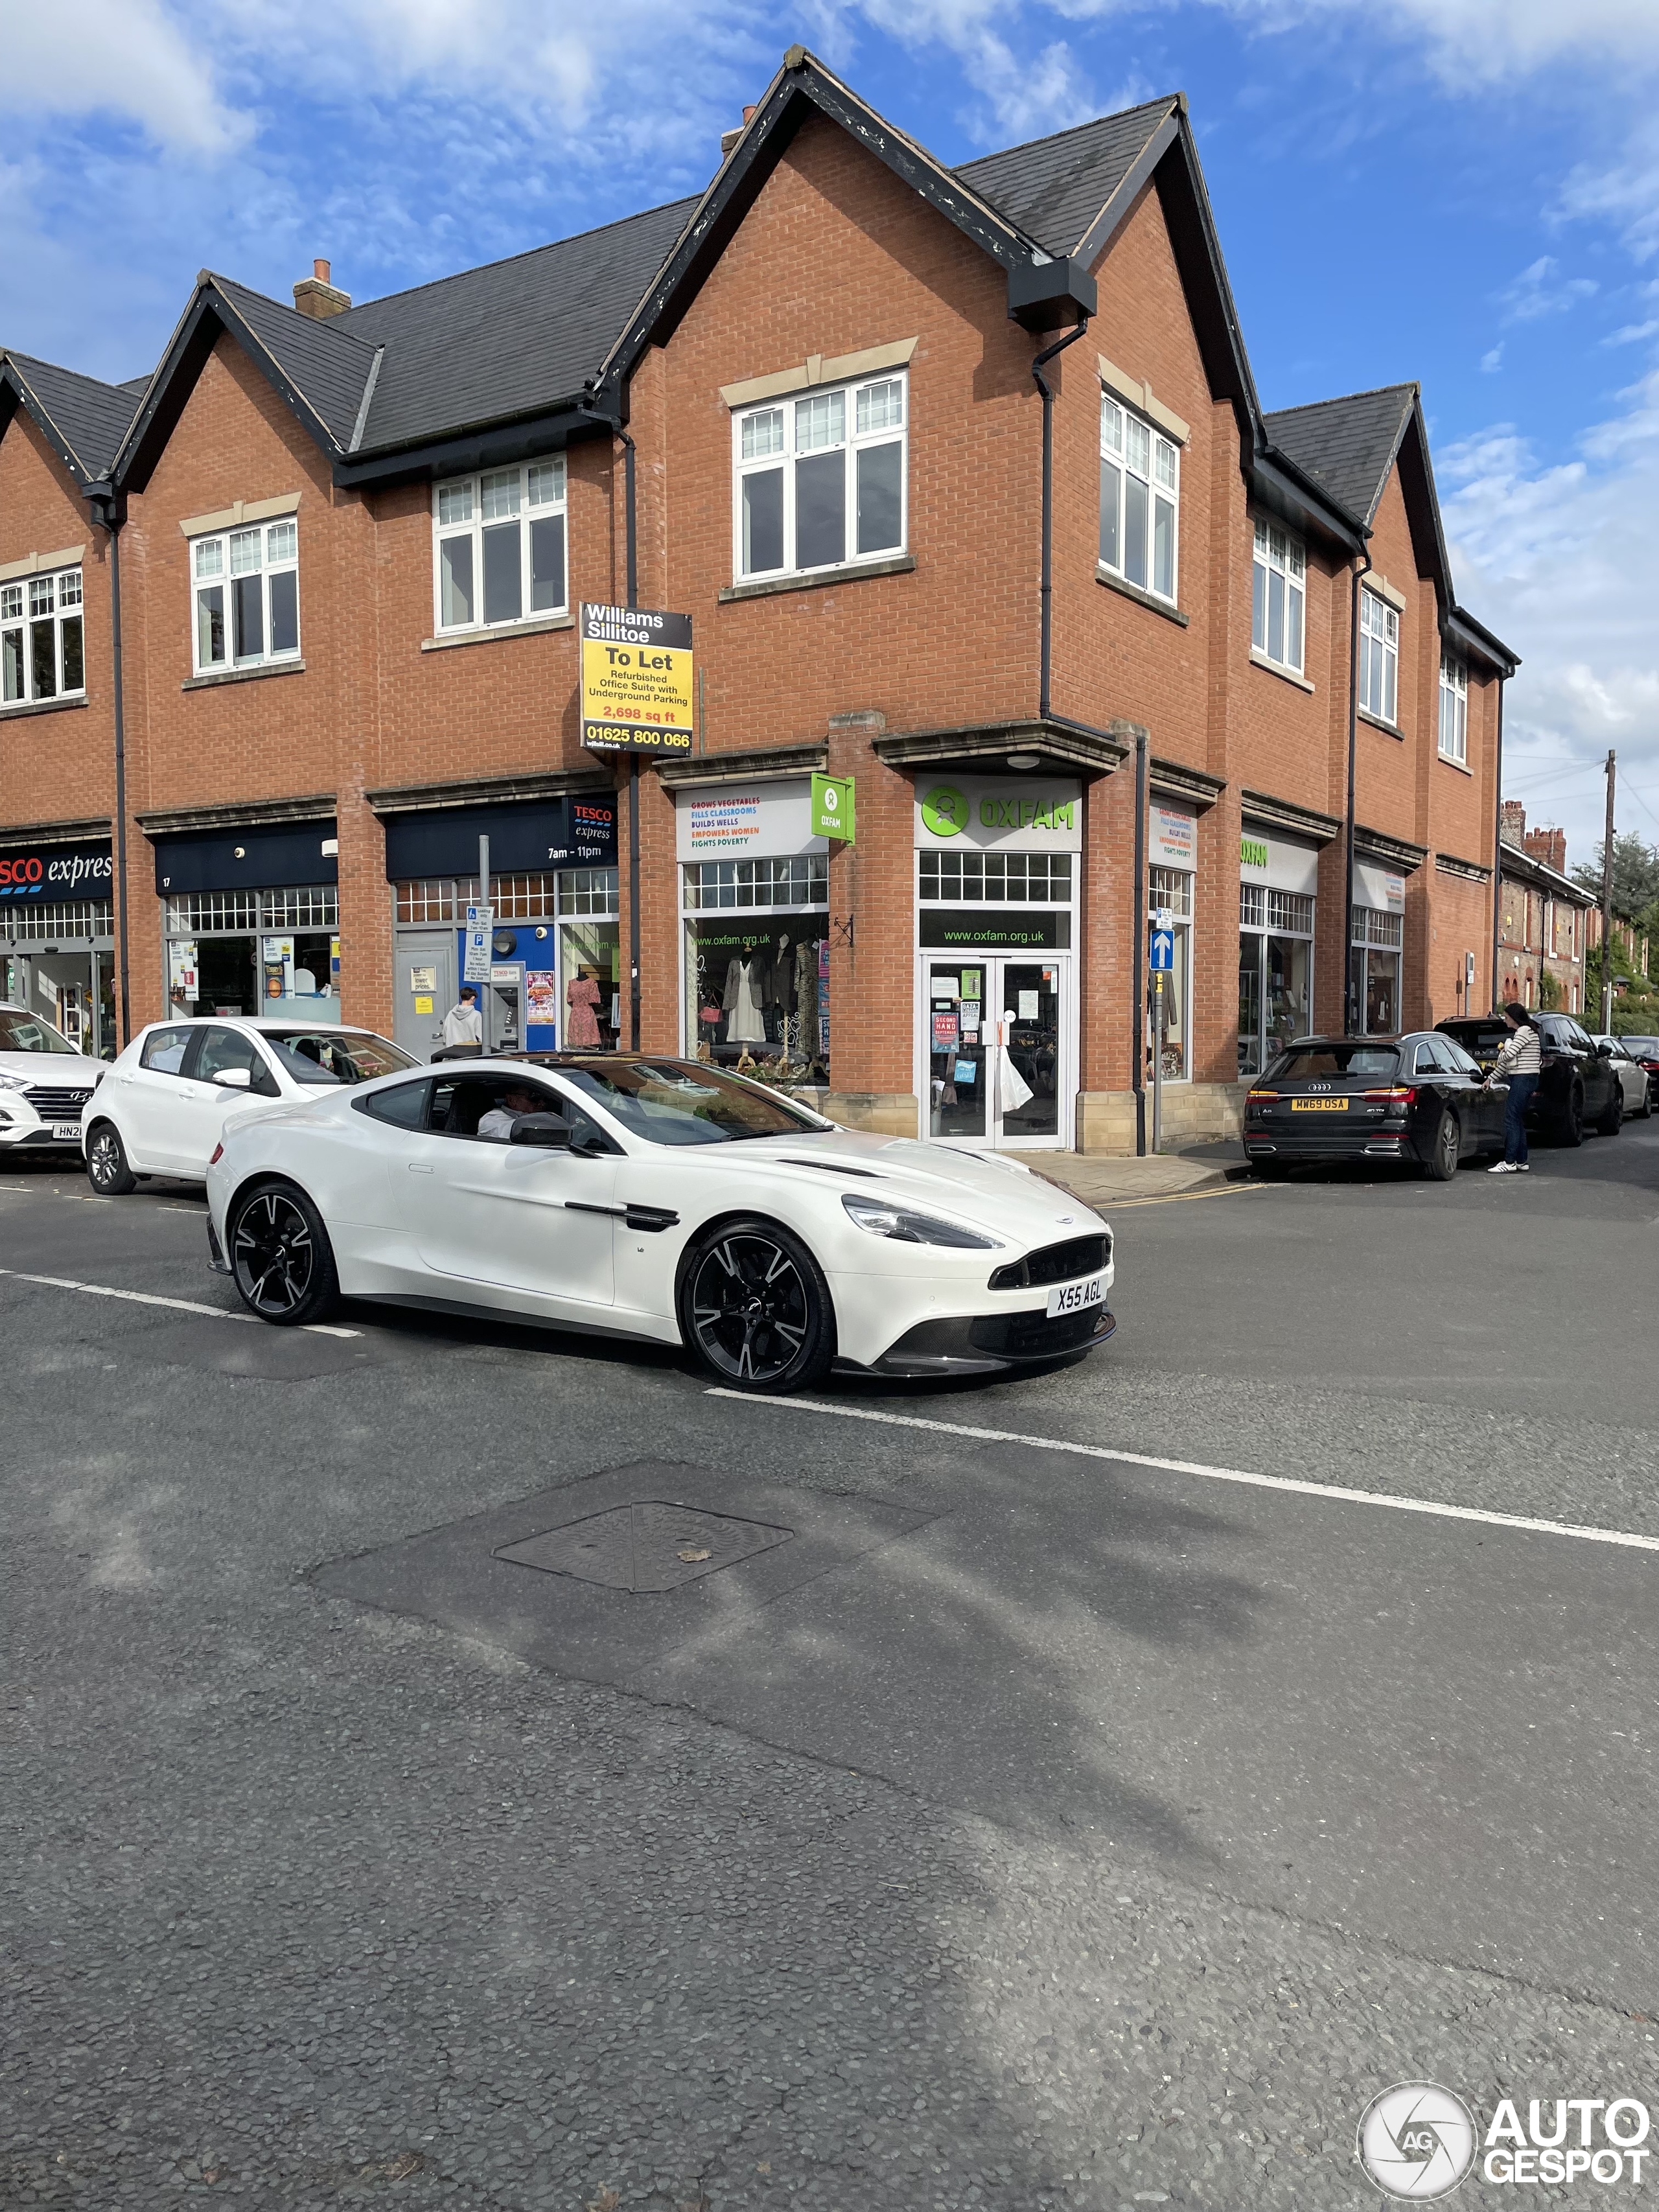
column 1389, row 729
column 1259, row 659
column 17, row 708
column 243, row 675
column 850, row 572
column 1113, row 582
column 499, row 633
column 1462, row 767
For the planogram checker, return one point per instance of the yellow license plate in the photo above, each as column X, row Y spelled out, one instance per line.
column 1319, row 1105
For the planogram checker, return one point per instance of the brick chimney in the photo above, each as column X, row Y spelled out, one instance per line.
column 1512, row 822
column 315, row 296
column 729, row 138
column 1549, row 846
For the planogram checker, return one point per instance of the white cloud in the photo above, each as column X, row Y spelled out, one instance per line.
column 1563, row 561
column 1541, row 290
column 1632, row 333
column 125, row 57
column 1493, row 360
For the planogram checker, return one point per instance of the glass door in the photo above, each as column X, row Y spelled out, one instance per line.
column 997, row 1044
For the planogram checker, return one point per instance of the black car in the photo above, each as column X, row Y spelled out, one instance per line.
column 1418, row 1098
column 1578, row 1087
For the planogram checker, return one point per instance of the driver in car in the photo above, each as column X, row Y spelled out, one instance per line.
column 499, row 1122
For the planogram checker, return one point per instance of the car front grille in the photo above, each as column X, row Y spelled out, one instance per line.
column 56, row 1104
column 1055, row 1263
column 1035, row 1336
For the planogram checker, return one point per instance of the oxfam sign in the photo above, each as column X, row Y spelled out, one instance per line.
column 1017, row 814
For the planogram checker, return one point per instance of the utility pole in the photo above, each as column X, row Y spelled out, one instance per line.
column 1607, row 907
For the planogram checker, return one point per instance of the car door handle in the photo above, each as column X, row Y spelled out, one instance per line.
column 418, row 1167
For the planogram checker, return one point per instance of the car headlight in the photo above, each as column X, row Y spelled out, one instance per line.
column 13, row 1082
column 906, row 1227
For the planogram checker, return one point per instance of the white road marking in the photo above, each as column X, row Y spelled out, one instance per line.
column 1330, row 1489
column 154, row 1298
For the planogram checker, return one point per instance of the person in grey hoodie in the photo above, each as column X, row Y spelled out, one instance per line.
column 1520, row 1062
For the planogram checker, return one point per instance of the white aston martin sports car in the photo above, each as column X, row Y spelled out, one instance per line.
column 660, row 1200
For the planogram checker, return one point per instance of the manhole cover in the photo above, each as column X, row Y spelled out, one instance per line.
column 647, row 1546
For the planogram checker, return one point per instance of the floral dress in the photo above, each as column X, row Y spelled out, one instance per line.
column 582, row 995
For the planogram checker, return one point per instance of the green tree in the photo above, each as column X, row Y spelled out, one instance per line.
column 1635, row 875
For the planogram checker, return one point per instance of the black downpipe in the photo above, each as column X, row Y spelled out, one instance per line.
column 1350, row 996
column 1137, row 983
column 1497, row 854
column 111, row 521
column 1047, row 601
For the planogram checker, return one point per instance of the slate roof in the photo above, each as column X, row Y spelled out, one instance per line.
column 89, row 418
column 328, row 367
column 1347, row 445
column 1054, row 187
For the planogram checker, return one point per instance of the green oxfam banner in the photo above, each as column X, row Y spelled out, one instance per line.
column 832, row 807
column 986, row 813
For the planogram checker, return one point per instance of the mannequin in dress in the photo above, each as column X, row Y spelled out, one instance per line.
column 581, row 997
column 744, row 1002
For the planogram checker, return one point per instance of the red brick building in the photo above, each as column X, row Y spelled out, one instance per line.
column 1546, row 923
column 964, row 481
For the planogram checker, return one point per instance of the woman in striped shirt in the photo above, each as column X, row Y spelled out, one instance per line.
column 1520, row 1061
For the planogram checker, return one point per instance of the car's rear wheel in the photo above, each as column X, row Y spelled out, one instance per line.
column 280, row 1255
column 1613, row 1120
column 756, row 1310
column 107, row 1169
column 1569, row 1121
column 1446, row 1150
column 1270, row 1171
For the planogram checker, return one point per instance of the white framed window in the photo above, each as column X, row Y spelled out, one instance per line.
column 42, row 642
column 1379, row 656
column 820, row 481
column 1140, row 499
column 1279, row 596
column 499, row 547
column 1453, row 710
column 247, row 586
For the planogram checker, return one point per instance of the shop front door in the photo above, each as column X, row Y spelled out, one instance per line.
column 998, row 1046
column 425, row 979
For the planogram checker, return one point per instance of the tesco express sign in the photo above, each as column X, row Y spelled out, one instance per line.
column 56, row 871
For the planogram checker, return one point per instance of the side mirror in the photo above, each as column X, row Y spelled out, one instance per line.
column 1604, row 1052
column 233, row 1078
column 548, row 1130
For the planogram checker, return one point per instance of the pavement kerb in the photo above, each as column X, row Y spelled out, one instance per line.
column 1098, row 1179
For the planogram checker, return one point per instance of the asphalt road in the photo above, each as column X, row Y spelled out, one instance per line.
column 1026, row 1827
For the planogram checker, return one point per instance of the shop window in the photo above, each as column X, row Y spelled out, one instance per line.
column 1379, row 656
column 819, row 482
column 1139, row 496
column 499, row 547
column 247, row 595
column 1275, row 972
column 1375, row 941
column 1453, row 710
column 1279, row 596
column 255, row 952
column 803, row 881
column 66, row 918
column 1170, row 889
column 529, row 897
column 42, row 640
column 757, row 995
column 997, row 879
column 587, row 891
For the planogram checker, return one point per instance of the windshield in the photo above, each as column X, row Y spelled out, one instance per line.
column 334, row 1055
column 1478, row 1036
column 1348, row 1056
column 23, row 1033
column 1641, row 1047
column 680, row 1102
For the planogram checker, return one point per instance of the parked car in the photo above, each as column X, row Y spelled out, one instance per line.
column 1633, row 1078
column 1419, row 1098
column 45, row 1082
column 1645, row 1051
column 1576, row 1088
column 665, row 1201
column 162, row 1106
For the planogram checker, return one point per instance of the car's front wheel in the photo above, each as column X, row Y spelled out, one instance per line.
column 280, row 1255
column 108, row 1168
column 1445, row 1150
column 754, row 1308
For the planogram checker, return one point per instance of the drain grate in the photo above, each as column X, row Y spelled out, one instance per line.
column 647, row 1546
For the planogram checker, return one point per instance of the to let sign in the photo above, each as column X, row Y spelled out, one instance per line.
column 637, row 686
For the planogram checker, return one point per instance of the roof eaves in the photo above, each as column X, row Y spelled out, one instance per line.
column 47, row 423
column 803, row 79
column 1271, row 461
column 1468, row 630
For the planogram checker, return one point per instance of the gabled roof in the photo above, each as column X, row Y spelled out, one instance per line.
column 1056, row 188
column 82, row 420
column 1347, row 445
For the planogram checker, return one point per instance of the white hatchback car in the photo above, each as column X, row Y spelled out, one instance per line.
column 1632, row 1077
column 659, row 1198
column 162, row 1106
column 45, row 1082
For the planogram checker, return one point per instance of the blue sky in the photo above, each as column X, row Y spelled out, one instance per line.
column 1465, row 191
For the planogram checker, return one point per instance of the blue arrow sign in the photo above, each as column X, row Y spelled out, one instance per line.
column 1163, row 948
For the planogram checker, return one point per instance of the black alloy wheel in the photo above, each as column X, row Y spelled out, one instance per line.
column 1613, row 1120
column 107, row 1171
column 756, row 1310
column 1446, row 1150
column 1569, row 1121
column 281, row 1257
